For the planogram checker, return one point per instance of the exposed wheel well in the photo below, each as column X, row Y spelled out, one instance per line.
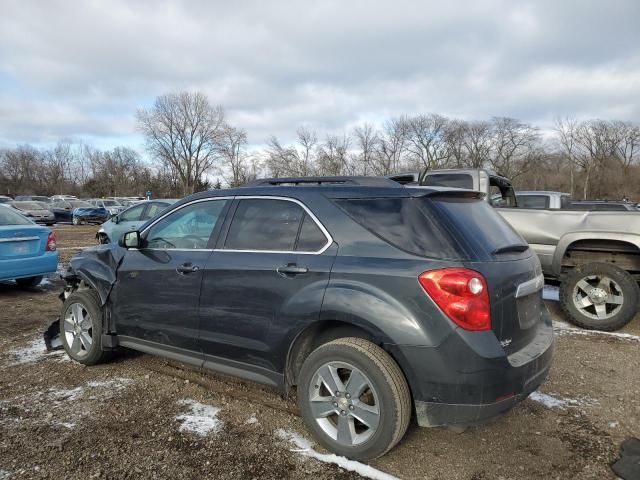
column 315, row 335
column 622, row 254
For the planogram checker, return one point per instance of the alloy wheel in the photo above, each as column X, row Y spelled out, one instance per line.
column 344, row 403
column 78, row 329
column 598, row 297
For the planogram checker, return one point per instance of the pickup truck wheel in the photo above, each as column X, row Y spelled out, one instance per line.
column 81, row 328
column 599, row 296
column 354, row 398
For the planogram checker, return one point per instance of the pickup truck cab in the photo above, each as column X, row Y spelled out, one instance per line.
column 594, row 254
column 542, row 199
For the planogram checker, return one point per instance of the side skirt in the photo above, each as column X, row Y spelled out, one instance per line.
column 225, row 366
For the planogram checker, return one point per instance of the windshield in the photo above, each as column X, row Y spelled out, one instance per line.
column 80, row 204
column 11, row 217
column 28, row 205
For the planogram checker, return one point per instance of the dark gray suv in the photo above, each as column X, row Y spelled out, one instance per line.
column 374, row 300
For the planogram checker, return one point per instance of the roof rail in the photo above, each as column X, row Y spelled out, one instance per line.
column 329, row 181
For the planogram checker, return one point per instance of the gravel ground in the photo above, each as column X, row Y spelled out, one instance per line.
column 144, row 417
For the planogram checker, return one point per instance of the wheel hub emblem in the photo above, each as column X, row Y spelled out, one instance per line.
column 343, row 404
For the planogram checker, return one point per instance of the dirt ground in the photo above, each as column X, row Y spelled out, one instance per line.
column 143, row 417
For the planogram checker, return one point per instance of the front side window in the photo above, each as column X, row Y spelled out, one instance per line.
column 133, row 214
column 154, row 209
column 273, row 225
column 189, row 227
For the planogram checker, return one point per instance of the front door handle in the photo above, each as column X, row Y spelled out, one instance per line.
column 187, row 268
column 291, row 269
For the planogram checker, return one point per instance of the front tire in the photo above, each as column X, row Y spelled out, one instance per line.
column 599, row 296
column 354, row 398
column 29, row 282
column 76, row 221
column 81, row 328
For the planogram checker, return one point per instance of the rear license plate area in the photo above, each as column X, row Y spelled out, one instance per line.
column 529, row 309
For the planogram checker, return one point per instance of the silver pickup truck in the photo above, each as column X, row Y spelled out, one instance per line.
column 594, row 254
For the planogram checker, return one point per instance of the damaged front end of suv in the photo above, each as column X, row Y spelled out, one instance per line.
column 93, row 269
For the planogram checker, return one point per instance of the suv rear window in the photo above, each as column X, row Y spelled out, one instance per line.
column 453, row 227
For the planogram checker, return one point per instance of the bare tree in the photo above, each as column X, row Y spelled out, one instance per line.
column 367, row 142
column 566, row 130
column 427, row 141
column 234, row 155
column 333, row 155
column 391, row 146
column 184, row 130
column 513, row 144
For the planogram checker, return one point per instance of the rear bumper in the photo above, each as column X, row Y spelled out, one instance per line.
column 469, row 380
column 29, row 267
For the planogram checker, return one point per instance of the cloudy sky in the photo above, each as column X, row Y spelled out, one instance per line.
column 80, row 70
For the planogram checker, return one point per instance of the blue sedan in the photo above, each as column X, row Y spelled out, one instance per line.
column 27, row 251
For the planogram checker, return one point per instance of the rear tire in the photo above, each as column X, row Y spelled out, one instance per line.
column 599, row 296
column 81, row 328
column 29, row 282
column 378, row 394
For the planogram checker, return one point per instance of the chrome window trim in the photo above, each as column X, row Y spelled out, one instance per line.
column 324, row 231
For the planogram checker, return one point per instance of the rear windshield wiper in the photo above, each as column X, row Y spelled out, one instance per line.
column 516, row 247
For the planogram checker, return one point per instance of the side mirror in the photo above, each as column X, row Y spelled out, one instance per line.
column 130, row 240
column 115, row 219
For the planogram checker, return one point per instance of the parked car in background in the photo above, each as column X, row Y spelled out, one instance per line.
column 27, row 251
column 594, row 254
column 131, row 219
column 78, row 212
column 377, row 301
column 5, row 199
column 112, row 206
column 543, row 199
column 63, row 197
column 34, row 198
column 36, row 211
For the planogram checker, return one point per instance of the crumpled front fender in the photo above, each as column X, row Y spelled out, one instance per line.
column 98, row 267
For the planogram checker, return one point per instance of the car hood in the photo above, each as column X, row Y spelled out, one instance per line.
column 43, row 212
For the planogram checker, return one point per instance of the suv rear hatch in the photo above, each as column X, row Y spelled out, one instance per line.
column 458, row 226
column 489, row 245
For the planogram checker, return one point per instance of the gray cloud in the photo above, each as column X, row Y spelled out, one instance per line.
column 82, row 69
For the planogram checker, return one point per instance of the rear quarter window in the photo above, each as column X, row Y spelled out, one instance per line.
column 444, row 227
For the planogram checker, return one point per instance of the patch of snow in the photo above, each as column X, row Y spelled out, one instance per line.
column 35, row 352
column 202, row 419
column 549, row 292
column 563, row 328
column 69, row 425
column 118, row 383
column 4, row 475
column 251, row 420
column 613, row 424
column 66, row 394
column 556, row 401
column 305, row 448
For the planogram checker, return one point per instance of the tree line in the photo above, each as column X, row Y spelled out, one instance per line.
column 189, row 141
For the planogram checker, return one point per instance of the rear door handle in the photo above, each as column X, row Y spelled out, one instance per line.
column 187, row 268
column 291, row 269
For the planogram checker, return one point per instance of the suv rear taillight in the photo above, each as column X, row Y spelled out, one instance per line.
column 461, row 294
column 51, row 242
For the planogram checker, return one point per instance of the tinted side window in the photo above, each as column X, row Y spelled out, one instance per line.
column 189, row 227
column 402, row 223
column 456, row 180
column 311, row 238
column 533, row 201
column 264, row 224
